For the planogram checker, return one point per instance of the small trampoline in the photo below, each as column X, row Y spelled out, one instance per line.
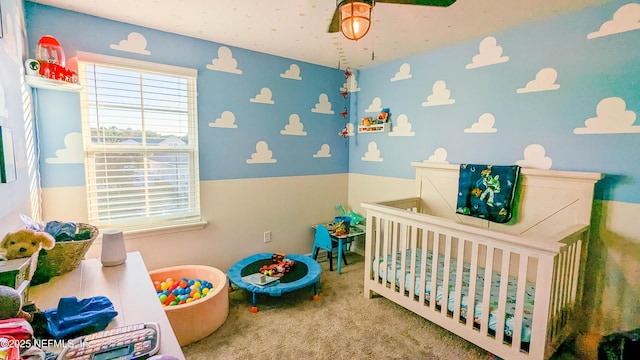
column 305, row 272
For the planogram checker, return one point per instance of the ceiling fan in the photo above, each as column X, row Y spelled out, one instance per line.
column 353, row 17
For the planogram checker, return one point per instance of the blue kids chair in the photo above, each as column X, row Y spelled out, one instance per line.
column 323, row 240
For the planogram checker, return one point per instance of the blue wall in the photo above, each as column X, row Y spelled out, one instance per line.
column 588, row 71
column 224, row 151
column 487, row 116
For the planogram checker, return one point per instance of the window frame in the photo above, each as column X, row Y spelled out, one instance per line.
column 154, row 224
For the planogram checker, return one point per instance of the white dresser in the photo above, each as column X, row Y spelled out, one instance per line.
column 128, row 286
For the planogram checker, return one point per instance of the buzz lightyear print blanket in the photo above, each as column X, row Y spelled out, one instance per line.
column 487, row 191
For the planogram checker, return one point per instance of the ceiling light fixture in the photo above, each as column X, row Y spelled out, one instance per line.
column 355, row 18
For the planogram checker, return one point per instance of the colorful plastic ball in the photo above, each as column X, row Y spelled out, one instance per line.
column 162, row 298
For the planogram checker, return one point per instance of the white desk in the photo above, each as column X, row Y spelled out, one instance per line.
column 128, row 286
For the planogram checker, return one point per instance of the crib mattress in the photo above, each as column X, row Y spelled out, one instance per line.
column 480, row 277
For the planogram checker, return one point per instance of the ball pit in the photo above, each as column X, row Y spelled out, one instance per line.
column 202, row 305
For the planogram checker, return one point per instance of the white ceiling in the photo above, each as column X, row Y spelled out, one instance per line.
column 297, row 29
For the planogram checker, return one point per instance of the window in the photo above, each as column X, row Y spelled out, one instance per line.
column 139, row 127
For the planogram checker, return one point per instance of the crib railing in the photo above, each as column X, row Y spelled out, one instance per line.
column 399, row 238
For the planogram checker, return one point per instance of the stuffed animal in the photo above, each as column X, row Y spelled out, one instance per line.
column 11, row 304
column 25, row 242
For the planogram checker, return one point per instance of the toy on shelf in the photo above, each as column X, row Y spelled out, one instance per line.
column 379, row 124
column 50, row 62
column 280, row 266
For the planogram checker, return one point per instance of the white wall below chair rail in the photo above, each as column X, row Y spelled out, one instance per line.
column 238, row 213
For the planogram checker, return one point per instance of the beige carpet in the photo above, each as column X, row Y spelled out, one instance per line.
column 342, row 324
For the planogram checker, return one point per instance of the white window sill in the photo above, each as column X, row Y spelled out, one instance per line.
column 157, row 230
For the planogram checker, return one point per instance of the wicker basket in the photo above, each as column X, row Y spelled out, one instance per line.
column 64, row 257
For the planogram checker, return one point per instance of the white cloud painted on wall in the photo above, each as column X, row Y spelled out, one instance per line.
column 375, row 106
column 403, row 74
column 535, row 157
column 226, row 120
column 295, row 127
column 612, row 118
column 350, row 130
column 72, row 152
column 264, row 97
column 11, row 45
column 292, row 73
column 483, row 125
column 626, row 18
column 323, row 106
column 262, row 155
column 402, row 127
column 372, row 153
column 440, row 95
column 351, row 85
column 135, row 43
column 324, row 152
column 439, row 156
column 21, row 154
column 490, row 53
column 225, row 62
column 4, row 112
column 544, row 81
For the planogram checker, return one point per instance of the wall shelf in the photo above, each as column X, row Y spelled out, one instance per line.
column 49, row 84
column 374, row 128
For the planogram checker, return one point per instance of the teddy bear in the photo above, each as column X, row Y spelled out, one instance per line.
column 25, row 242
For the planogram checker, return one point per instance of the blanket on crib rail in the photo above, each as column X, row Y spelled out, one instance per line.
column 487, row 191
column 492, row 276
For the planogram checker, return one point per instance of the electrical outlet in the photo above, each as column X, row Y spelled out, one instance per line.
column 267, row 236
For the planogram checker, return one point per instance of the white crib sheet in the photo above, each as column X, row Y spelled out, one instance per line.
column 495, row 286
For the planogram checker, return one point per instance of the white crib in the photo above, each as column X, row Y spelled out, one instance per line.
column 536, row 261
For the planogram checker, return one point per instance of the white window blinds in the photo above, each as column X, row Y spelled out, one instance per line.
column 140, row 143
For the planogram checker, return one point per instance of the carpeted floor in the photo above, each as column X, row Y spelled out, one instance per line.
column 342, row 324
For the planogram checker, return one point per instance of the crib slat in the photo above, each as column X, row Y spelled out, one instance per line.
column 393, row 246
column 412, row 271
column 434, row 270
column 554, row 294
column 473, row 273
column 576, row 271
column 403, row 260
column 444, row 305
column 502, row 299
column 520, row 296
column 383, row 250
column 486, row 291
column 375, row 247
column 563, row 286
column 540, row 317
column 458, row 286
column 423, row 267
column 566, row 301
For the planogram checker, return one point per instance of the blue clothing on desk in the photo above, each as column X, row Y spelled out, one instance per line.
column 75, row 317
